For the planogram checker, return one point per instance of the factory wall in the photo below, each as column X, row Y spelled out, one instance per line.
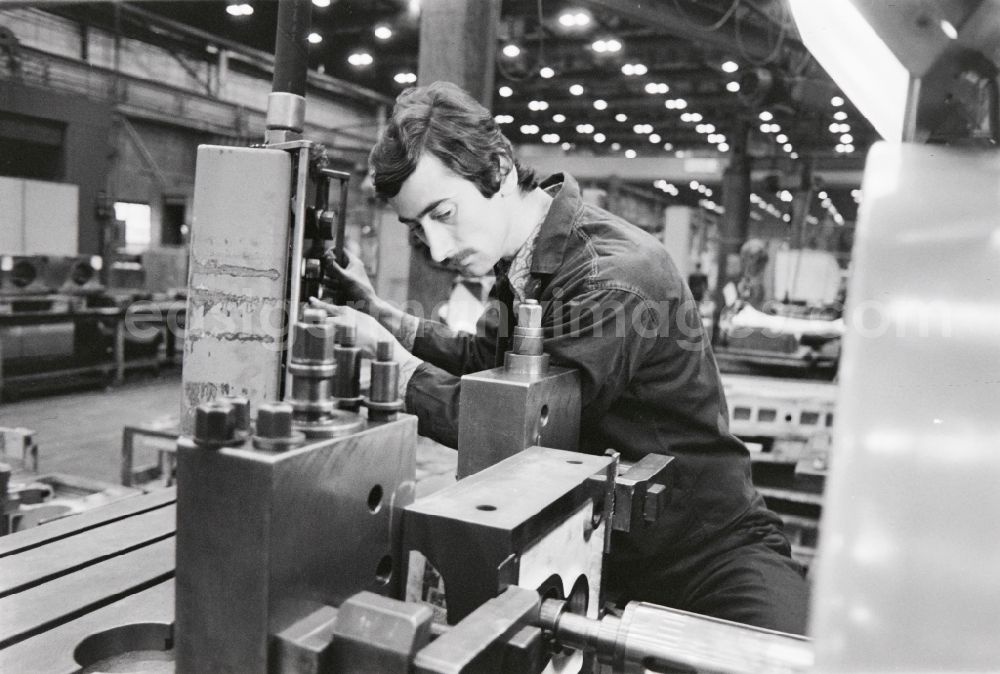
column 85, row 156
column 125, row 126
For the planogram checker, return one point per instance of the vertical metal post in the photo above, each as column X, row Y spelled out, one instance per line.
column 736, row 201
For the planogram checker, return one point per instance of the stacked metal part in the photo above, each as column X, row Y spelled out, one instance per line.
column 383, row 401
column 313, row 367
column 526, row 355
column 326, row 375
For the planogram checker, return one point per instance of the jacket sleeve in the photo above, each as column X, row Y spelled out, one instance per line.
column 603, row 333
column 459, row 353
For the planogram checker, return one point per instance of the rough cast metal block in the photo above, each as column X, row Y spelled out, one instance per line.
column 236, row 286
column 521, row 521
column 502, row 413
column 264, row 538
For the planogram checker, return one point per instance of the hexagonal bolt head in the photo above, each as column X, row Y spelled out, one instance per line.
column 214, row 422
column 274, row 420
column 241, row 411
column 313, row 341
column 529, row 314
column 347, row 334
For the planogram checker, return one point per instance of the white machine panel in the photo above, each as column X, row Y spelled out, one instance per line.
column 907, row 575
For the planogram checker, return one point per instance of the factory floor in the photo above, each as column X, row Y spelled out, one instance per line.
column 80, row 433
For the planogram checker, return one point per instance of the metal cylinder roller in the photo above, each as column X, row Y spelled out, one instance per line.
column 313, row 366
column 526, row 355
column 347, row 384
column 383, row 398
column 660, row 639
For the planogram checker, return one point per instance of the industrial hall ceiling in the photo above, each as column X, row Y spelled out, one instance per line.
column 625, row 78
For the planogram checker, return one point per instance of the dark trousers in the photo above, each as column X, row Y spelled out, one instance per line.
column 744, row 574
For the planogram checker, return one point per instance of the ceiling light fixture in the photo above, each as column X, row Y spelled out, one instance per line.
column 574, row 19
column 239, row 9
column 511, row 51
column 558, row 118
column 733, row 86
column 576, row 89
column 600, row 104
column 505, row 92
column 621, row 117
column 315, row 38
column 383, row 32
column 321, row 3
column 360, row 59
column 630, row 154
column 730, row 66
column 599, row 138
column 546, row 72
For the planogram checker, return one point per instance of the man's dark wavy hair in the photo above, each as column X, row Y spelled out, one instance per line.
column 444, row 120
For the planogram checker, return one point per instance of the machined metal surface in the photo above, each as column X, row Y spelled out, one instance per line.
column 264, row 538
column 496, row 637
column 534, row 409
column 373, row 633
column 285, row 111
column 642, row 493
column 477, row 531
column 238, row 272
column 651, row 637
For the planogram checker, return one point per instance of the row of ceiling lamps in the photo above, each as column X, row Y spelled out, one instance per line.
column 756, row 200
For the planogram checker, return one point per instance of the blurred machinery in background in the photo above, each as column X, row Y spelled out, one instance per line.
column 785, row 311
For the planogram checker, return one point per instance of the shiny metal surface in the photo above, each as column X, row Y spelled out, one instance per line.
column 534, row 409
column 906, row 574
column 641, row 493
column 478, row 531
column 264, row 538
column 239, row 257
column 285, row 111
column 373, row 633
column 649, row 637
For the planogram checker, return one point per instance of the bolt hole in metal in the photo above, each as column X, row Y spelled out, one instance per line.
column 383, row 572
column 574, row 462
column 141, row 647
column 486, row 507
column 375, row 499
column 543, row 417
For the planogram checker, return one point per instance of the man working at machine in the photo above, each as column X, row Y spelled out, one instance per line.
column 615, row 308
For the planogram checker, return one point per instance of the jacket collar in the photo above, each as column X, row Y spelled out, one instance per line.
column 554, row 233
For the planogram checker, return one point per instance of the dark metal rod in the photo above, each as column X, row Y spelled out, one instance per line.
column 291, row 50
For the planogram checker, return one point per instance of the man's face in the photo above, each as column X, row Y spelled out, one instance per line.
column 461, row 227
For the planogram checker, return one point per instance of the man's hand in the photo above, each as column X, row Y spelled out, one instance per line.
column 352, row 281
column 370, row 331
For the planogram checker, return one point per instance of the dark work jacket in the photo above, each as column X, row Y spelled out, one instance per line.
column 616, row 308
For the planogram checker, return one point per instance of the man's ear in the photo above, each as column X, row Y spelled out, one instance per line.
column 509, row 183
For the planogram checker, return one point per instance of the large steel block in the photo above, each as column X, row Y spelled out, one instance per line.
column 536, row 520
column 264, row 538
column 503, row 412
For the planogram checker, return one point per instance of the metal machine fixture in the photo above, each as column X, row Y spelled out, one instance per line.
column 248, row 565
column 538, row 403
